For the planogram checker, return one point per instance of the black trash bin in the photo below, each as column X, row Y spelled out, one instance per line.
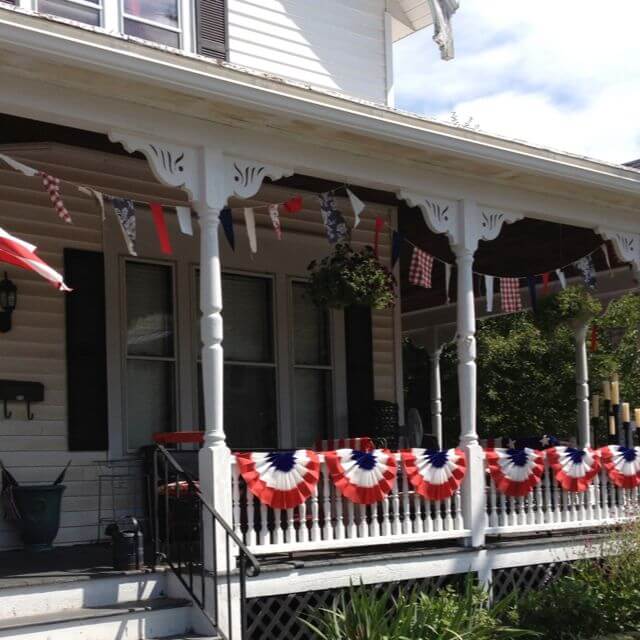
column 128, row 544
column 39, row 509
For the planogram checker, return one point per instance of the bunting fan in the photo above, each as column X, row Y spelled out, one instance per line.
column 622, row 465
column 363, row 477
column 574, row 468
column 515, row 472
column 436, row 475
column 280, row 479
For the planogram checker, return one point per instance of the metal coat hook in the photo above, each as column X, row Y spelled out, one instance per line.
column 30, row 415
column 7, row 413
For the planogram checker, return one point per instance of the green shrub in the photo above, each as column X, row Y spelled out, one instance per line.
column 366, row 613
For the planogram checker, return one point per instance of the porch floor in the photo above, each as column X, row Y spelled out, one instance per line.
column 61, row 564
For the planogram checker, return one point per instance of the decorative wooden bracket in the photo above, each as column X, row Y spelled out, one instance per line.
column 626, row 245
column 209, row 176
column 464, row 221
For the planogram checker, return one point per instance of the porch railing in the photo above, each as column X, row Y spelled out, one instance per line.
column 549, row 507
column 180, row 513
column 328, row 521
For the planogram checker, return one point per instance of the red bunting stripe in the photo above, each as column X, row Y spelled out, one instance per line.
column 52, row 187
column 293, row 205
column 161, row 228
column 378, row 230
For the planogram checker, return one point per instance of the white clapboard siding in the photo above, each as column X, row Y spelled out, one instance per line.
column 330, row 44
column 36, row 450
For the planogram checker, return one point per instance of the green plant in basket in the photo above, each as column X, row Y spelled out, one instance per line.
column 348, row 277
column 572, row 307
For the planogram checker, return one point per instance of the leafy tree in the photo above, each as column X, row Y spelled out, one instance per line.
column 526, row 367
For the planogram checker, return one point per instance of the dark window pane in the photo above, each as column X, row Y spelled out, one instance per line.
column 162, row 11
column 250, row 415
column 154, row 34
column 149, row 310
column 312, row 388
column 70, row 11
column 150, row 400
column 311, row 329
column 247, row 315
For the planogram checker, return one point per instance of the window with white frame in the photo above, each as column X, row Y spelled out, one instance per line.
column 87, row 11
column 155, row 20
column 150, row 367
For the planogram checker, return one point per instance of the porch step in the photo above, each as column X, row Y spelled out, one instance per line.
column 136, row 620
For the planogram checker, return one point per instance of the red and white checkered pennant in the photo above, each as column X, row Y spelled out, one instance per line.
column 421, row 268
column 52, row 186
column 510, row 294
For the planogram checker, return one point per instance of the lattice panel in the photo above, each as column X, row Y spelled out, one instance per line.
column 278, row 617
column 527, row 578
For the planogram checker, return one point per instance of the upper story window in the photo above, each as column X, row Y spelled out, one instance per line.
column 193, row 25
column 89, row 11
column 155, row 20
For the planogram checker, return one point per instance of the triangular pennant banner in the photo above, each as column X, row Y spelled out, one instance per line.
column 545, row 283
column 356, row 205
column 226, row 220
column 376, row 240
column 607, row 259
column 489, row 285
column 396, row 247
column 533, row 294
column 293, row 205
column 161, row 227
column 274, row 214
column 250, row 222
column 562, row 278
column 510, row 295
column 336, row 225
column 52, row 187
column 447, row 281
column 588, row 271
column 125, row 211
column 421, row 268
column 97, row 195
column 184, row 220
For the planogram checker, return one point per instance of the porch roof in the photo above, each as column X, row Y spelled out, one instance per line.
column 91, row 60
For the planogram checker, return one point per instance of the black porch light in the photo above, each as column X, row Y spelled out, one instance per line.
column 8, row 301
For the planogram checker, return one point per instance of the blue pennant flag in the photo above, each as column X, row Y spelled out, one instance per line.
column 226, row 219
column 396, row 246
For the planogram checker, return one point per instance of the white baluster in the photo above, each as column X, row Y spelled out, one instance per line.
column 493, row 506
column 316, row 533
column 235, row 490
column 351, row 520
column 557, row 501
column 548, row 502
column 438, row 520
column 362, row 521
column 290, row 528
column 418, row 504
column 448, row 514
column 505, row 518
column 386, row 518
column 457, row 502
column 395, row 511
column 339, row 502
column 596, row 498
column 406, row 509
column 539, row 508
column 251, row 524
column 303, row 526
column 264, row 535
column 327, row 526
column 278, row 531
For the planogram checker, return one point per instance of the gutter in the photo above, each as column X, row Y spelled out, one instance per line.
column 90, row 48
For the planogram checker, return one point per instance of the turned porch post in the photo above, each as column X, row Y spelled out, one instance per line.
column 435, row 382
column 582, row 386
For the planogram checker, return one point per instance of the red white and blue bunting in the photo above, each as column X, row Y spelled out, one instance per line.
column 622, row 465
column 574, row 469
column 515, row 472
column 363, row 477
column 280, row 479
column 435, row 475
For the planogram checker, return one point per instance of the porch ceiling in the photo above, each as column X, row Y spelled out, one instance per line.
column 57, row 55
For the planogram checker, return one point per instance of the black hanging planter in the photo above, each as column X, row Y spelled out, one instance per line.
column 38, row 507
column 35, row 508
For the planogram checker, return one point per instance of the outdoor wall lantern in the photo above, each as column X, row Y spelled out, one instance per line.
column 8, row 300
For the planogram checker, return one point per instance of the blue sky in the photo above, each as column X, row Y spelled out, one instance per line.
column 559, row 73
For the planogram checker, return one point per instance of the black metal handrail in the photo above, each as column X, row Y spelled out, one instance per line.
column 179, row 508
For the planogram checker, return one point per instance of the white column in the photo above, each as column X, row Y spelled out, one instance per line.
column 473, row 489
column 436, row 394
column 582, row 386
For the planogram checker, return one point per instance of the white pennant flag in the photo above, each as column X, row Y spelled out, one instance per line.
column 184, row 220
column 97, row 195
column 250, row 221
column 562, row 278
column 274, row 214
column 18, row 166
column 605, row 250
column 357, row 205
column 447, row 281
column 489, row 283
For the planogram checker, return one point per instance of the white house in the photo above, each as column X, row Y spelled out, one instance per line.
column 207, row 104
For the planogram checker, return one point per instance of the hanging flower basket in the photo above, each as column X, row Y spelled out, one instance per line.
column 572, row 307
column 348, row 277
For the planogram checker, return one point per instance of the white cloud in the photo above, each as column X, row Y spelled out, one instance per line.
column 561, row 74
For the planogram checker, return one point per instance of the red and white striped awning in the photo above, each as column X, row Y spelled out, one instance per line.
column 22, row 254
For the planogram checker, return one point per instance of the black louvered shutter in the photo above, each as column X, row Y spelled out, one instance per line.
column 211, row 28
column 359, row 357
column 87, row 420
